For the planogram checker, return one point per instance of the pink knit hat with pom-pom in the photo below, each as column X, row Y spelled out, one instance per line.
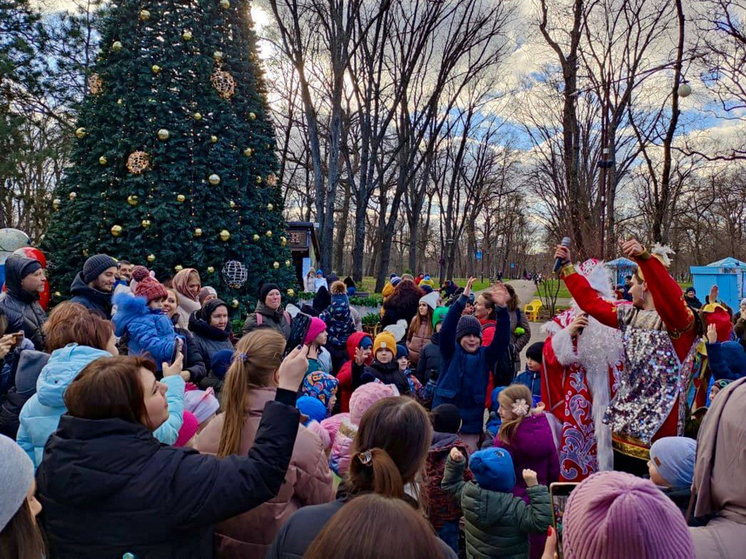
column 188, row 429
column 367, row 395
column 615, row 515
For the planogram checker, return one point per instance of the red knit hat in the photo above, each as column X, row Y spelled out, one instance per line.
column 147, row 286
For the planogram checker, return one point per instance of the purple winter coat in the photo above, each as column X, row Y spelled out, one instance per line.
column 532, row 448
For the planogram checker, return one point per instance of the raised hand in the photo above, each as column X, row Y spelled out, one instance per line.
column 712, row 334
column 174, row 368
column 631, row 248
column 579, row 323
column 293, row 368
column 469, row 283
column 359, row 355
column 456, row 455
column 530, row 477
column 563, row 252
column 714, row 294
column 500, row 295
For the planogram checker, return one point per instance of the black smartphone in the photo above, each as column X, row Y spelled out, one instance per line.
column 298, row 330
column 559, row 493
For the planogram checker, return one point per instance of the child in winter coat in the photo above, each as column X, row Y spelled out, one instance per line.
column 363, row 398
column 671, row 468
column 527, row 436
column 319, row 358
column 323, row 387
column 467, row 364
column 531, row 377
column 419, row 391
column 339, row 324
column 384, row 367
column 142, row 318
column 727, row 359
column 495, row 421
column 359, row 343
column 443, row 511
column 497, row 522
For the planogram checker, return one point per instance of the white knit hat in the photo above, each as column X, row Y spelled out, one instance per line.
column 16, row 476
column 431, row 299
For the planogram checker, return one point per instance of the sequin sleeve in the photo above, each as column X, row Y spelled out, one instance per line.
column 667, row 296
column 587, row 298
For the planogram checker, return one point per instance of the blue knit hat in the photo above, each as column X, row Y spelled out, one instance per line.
column 493, row 469
column 311, row 407
column 674, row 459
column 401, row 351
column 734, row 356
column 220, row 362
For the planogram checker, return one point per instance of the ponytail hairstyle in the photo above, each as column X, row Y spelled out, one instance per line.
column 257, row 358
column 515, row 302
column 490, row 302
column 390, row 447
column 517, row 398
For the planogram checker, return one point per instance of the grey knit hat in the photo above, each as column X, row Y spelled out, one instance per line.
column 468, row 325
column 97, row 265
column 16, row 475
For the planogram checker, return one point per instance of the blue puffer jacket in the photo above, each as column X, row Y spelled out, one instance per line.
column 149, row 331
column 463, row 377
column 41, row 414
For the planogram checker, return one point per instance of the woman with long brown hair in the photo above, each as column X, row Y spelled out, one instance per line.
column 421, row 327
column 403, row 304
column 188, row 284
column 109, row 488
column 373, row 526
column 250, row 383
column 388, row 453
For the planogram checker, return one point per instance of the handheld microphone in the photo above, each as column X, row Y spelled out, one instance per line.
column 558, row 263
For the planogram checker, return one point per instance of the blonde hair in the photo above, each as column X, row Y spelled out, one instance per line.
column 509, row 396
column 257, row 358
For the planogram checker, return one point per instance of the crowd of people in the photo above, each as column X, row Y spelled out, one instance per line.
column 135, row 422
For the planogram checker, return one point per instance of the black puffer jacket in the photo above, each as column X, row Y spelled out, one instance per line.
column 108, row 487
column 387, row 374
column 26, row 367
column 428, row 367
column 192, row 357
column 22, row 307
column 90, row 298
column 208, row 339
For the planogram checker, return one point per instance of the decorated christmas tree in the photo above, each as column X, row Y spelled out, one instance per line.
column 174, row 158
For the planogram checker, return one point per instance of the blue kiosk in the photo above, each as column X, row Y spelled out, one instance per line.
column 619, row 269
column 728, row 274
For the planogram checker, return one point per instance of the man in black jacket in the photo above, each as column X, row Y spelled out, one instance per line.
column 94, row 286
column 24, row 280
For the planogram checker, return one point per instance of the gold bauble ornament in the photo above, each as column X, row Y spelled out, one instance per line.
column 197, row 116
column 186, row 35
column 119, row 101
column 232, row 205
column 283, row 241
column 287, row 263
column 137, row 162
column 145, row 223
column 275, row 265
column 268, row 233
column 73, row 195
column 95, row 84
column 155, row 68
column 151, row 257
column 178, row 268
column 144, row 15
column 198, row 232
column 180, row 198
column 85, row 252
column 80, row 133
column 214, row 139
column 256, row 237
column 210, row 270
column 225, row 235
column 272, row 179
column 291, row 292
column 57, row 294
column 56, row 203
column 270, row 207
column 116, row 46
column 225, row 4
column 252, row 116
column 133, row 200
column 234, row 303
column 248, row 152
column 214, row 179
column 116, row 230
column 217, row 56
column 258, row 179
column 163, row 134
column 102, row 160
column 224, row 83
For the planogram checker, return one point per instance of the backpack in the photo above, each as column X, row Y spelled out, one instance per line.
column 260, row 318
